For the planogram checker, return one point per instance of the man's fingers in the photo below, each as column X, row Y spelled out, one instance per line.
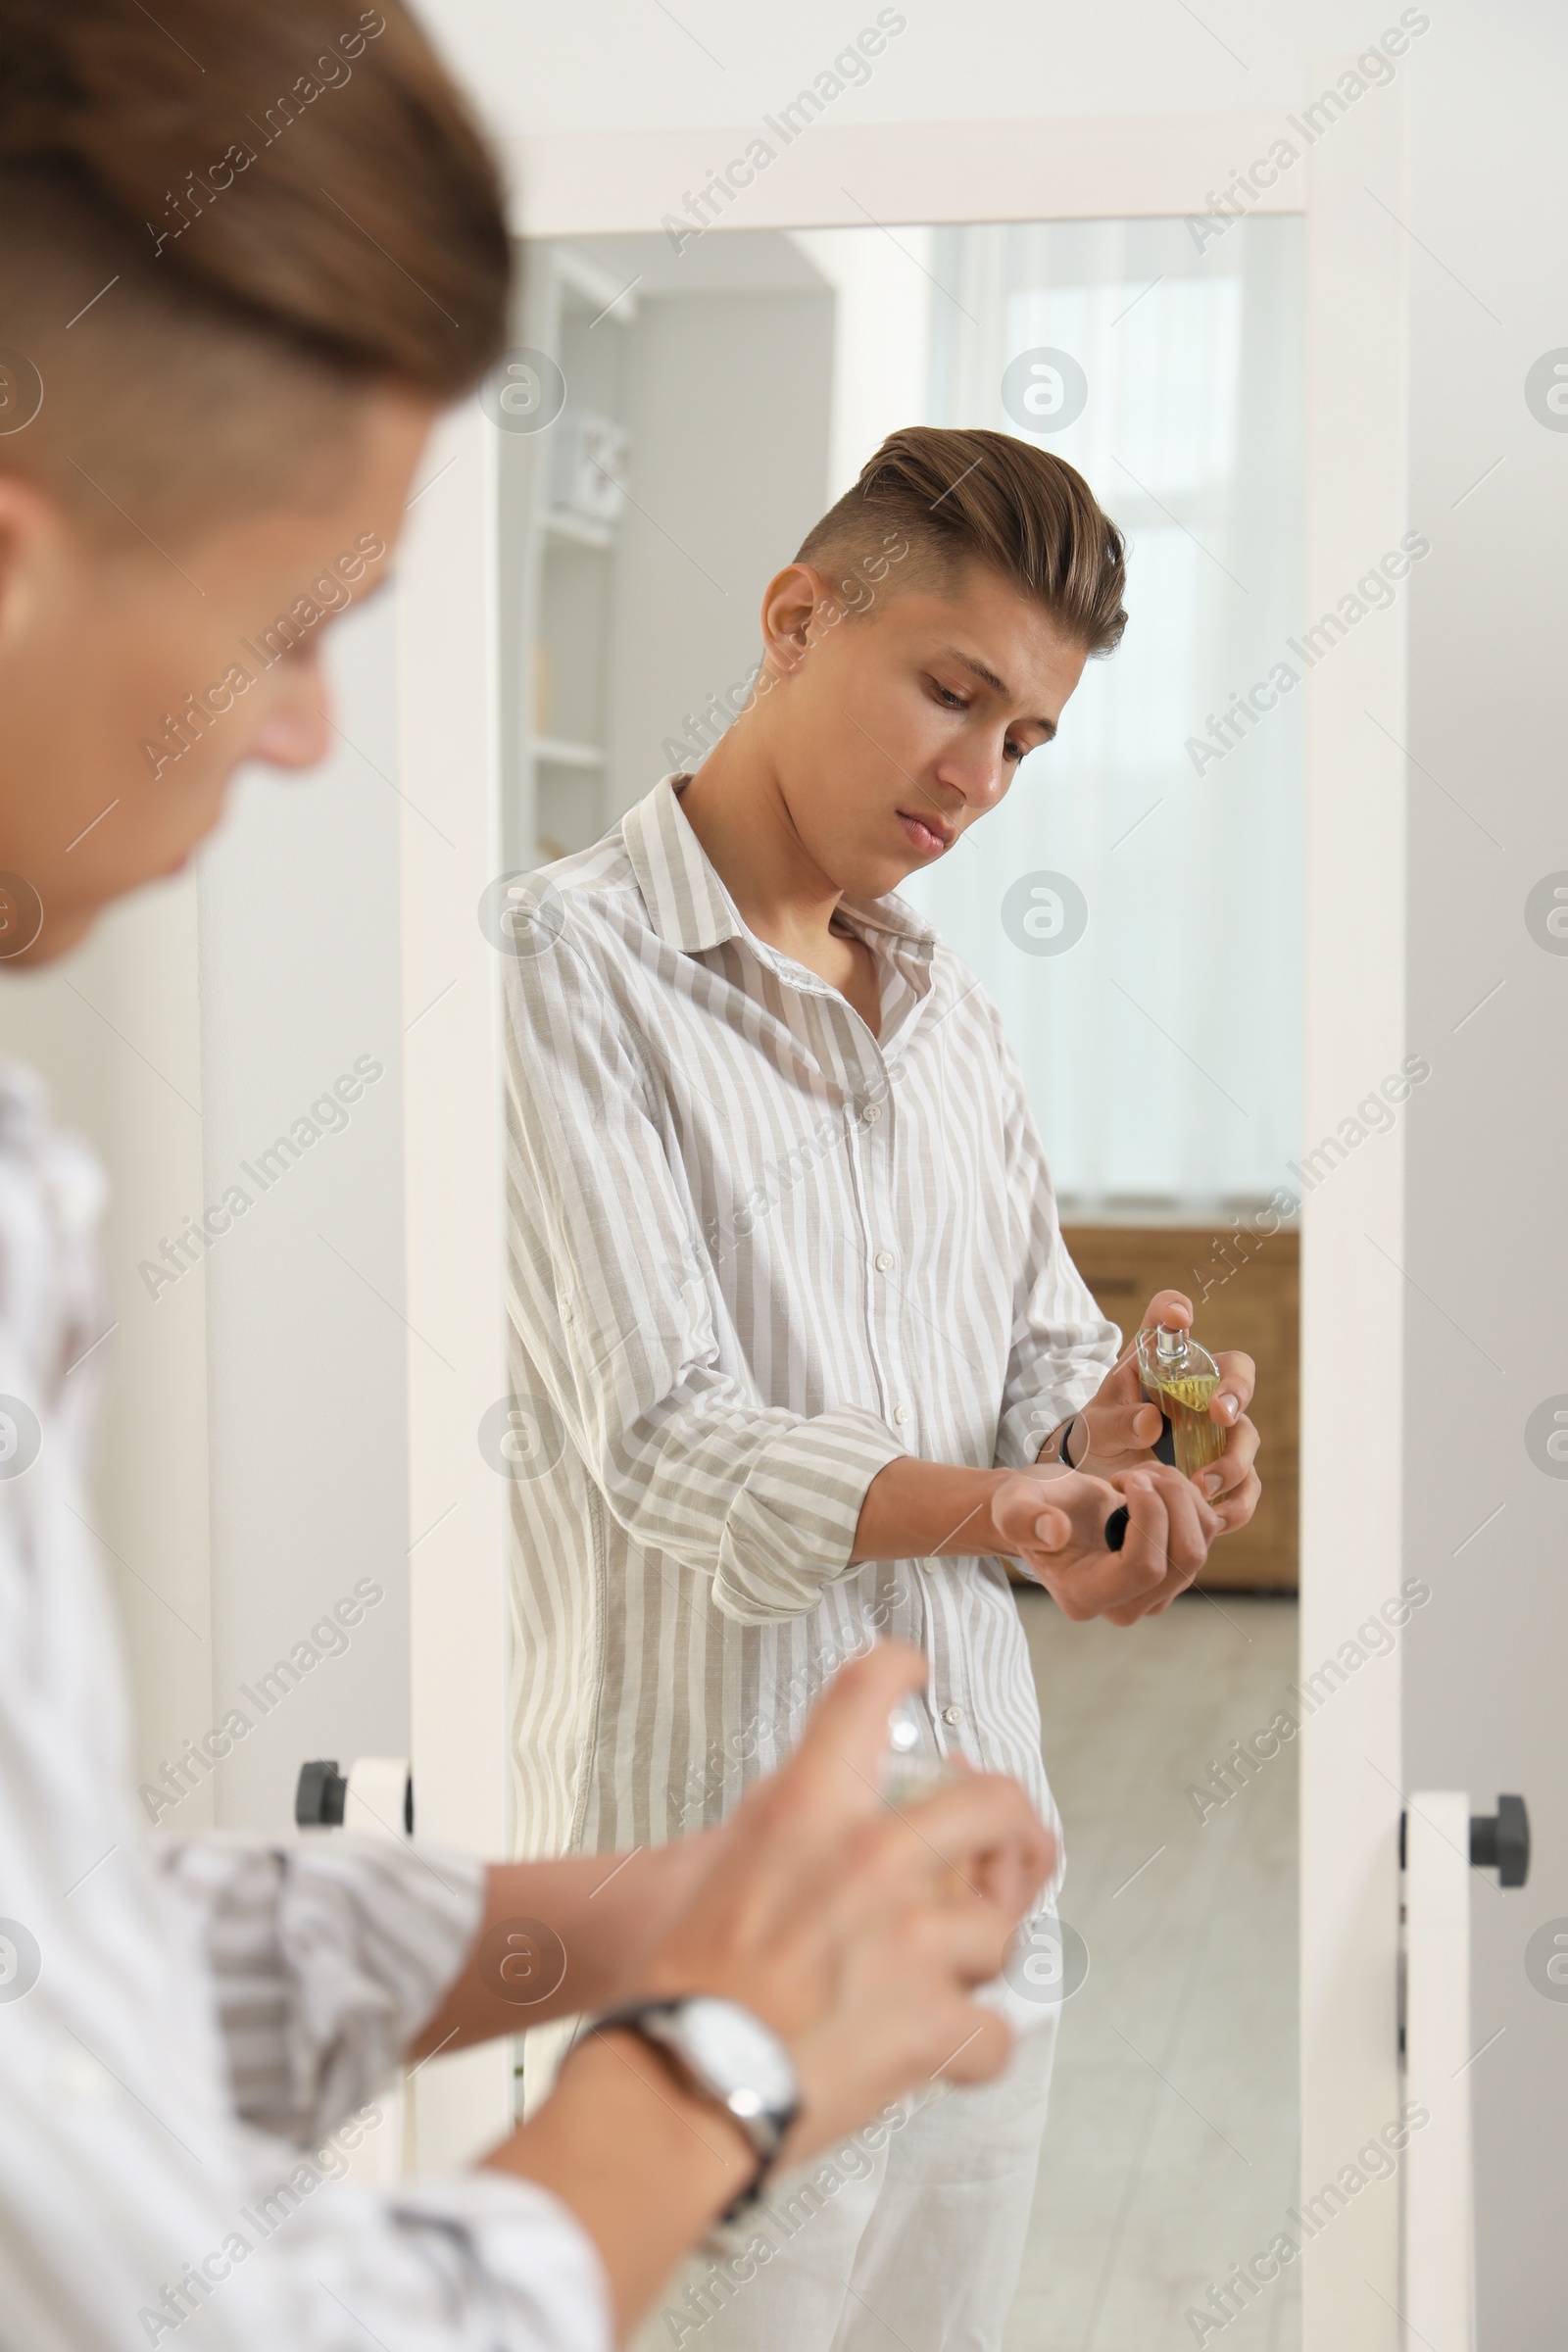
column 1145, row 1544
column 846, row 1738
column 1062, row 1541
column 976, row 1817
column 967, row 1942
column 1190, row 1524
column 1236, row 1508
column 1232, row 1391
column 1051, row 1531
column 982, row 2043
column 1035, row 1513
column 1170, row 1525
column 1084, row 1577
column 1173, row 1308
column 1090, row 1581
column 1147, row 1422
column 1123, row 1427
column 1234, row 1465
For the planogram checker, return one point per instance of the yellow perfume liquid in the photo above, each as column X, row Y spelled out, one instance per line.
column 1181, row 1376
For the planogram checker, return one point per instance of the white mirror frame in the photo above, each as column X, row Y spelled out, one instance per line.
column 1354, row 886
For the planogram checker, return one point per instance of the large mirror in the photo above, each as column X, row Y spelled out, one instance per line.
column 709, row 405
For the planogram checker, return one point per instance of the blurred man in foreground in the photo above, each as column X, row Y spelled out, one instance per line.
column 247, row 251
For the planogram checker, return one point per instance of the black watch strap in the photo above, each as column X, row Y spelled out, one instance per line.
column 655, row 2022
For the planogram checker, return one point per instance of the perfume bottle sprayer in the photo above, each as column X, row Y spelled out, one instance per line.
column 908, row 1775
column 1180, row 1377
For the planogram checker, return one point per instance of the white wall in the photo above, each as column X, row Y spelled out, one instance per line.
column 627, row 68
column 301, row 979
column 881, row 340
column 253, row 1459
column 115, row 1030
column 685, row 614
column 1486, row 1242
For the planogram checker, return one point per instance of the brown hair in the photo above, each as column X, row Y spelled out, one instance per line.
column 264, row 206
column 962, row 497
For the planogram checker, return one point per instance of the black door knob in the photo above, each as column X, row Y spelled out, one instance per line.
column 1500, row 1841
column 319, row 1799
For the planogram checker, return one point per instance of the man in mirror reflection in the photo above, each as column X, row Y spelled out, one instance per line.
column 801, row 1352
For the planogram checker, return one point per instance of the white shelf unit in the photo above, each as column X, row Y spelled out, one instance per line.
column 557, row 571
column 578, row 531
column 559, row 751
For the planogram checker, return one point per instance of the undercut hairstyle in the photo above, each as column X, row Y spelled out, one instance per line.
column 974, row 497
column 219, row 225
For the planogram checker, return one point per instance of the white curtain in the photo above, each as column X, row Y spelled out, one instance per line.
column 1162, row 1048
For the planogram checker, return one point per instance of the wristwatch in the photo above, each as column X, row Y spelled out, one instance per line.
column 726, row 2055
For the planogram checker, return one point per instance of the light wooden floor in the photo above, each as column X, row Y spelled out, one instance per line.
column 1171, row 2149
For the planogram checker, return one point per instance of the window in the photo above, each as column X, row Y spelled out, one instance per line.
column 1162, row 1044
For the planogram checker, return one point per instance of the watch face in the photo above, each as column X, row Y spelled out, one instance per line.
column 738, row 2055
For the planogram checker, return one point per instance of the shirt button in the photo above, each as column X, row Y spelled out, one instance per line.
column 871, row 1113
column 954, row 1715
column 884, row 1261
column 901, row 1414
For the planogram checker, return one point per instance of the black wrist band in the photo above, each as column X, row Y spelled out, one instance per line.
column 631, row 2023
column 766, row 2129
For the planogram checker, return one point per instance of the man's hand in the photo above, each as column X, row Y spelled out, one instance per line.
column 1116, row 1432
column 1052, row 1522
column 858, row 1932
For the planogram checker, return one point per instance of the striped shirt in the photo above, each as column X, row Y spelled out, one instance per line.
column 192, row 2036
column 754, row 1255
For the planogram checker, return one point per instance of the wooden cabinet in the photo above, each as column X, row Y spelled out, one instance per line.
column 1251, row 1303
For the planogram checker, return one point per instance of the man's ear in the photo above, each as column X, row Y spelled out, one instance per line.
column 29, row 532
column 796, row 606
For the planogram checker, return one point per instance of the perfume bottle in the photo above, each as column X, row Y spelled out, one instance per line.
column 907, row 1776
column 1180, row 1377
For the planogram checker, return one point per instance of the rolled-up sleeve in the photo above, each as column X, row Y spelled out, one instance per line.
column 1062, row 1347
column 136, row 2206
column 478, row 2263
column 613, row 1311
column 326, row 1958
column 134, row 2224
column 793, row 1522
column 240, row 2232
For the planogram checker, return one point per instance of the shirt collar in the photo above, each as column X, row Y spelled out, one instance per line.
column 688, row 904
column 892, row 913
